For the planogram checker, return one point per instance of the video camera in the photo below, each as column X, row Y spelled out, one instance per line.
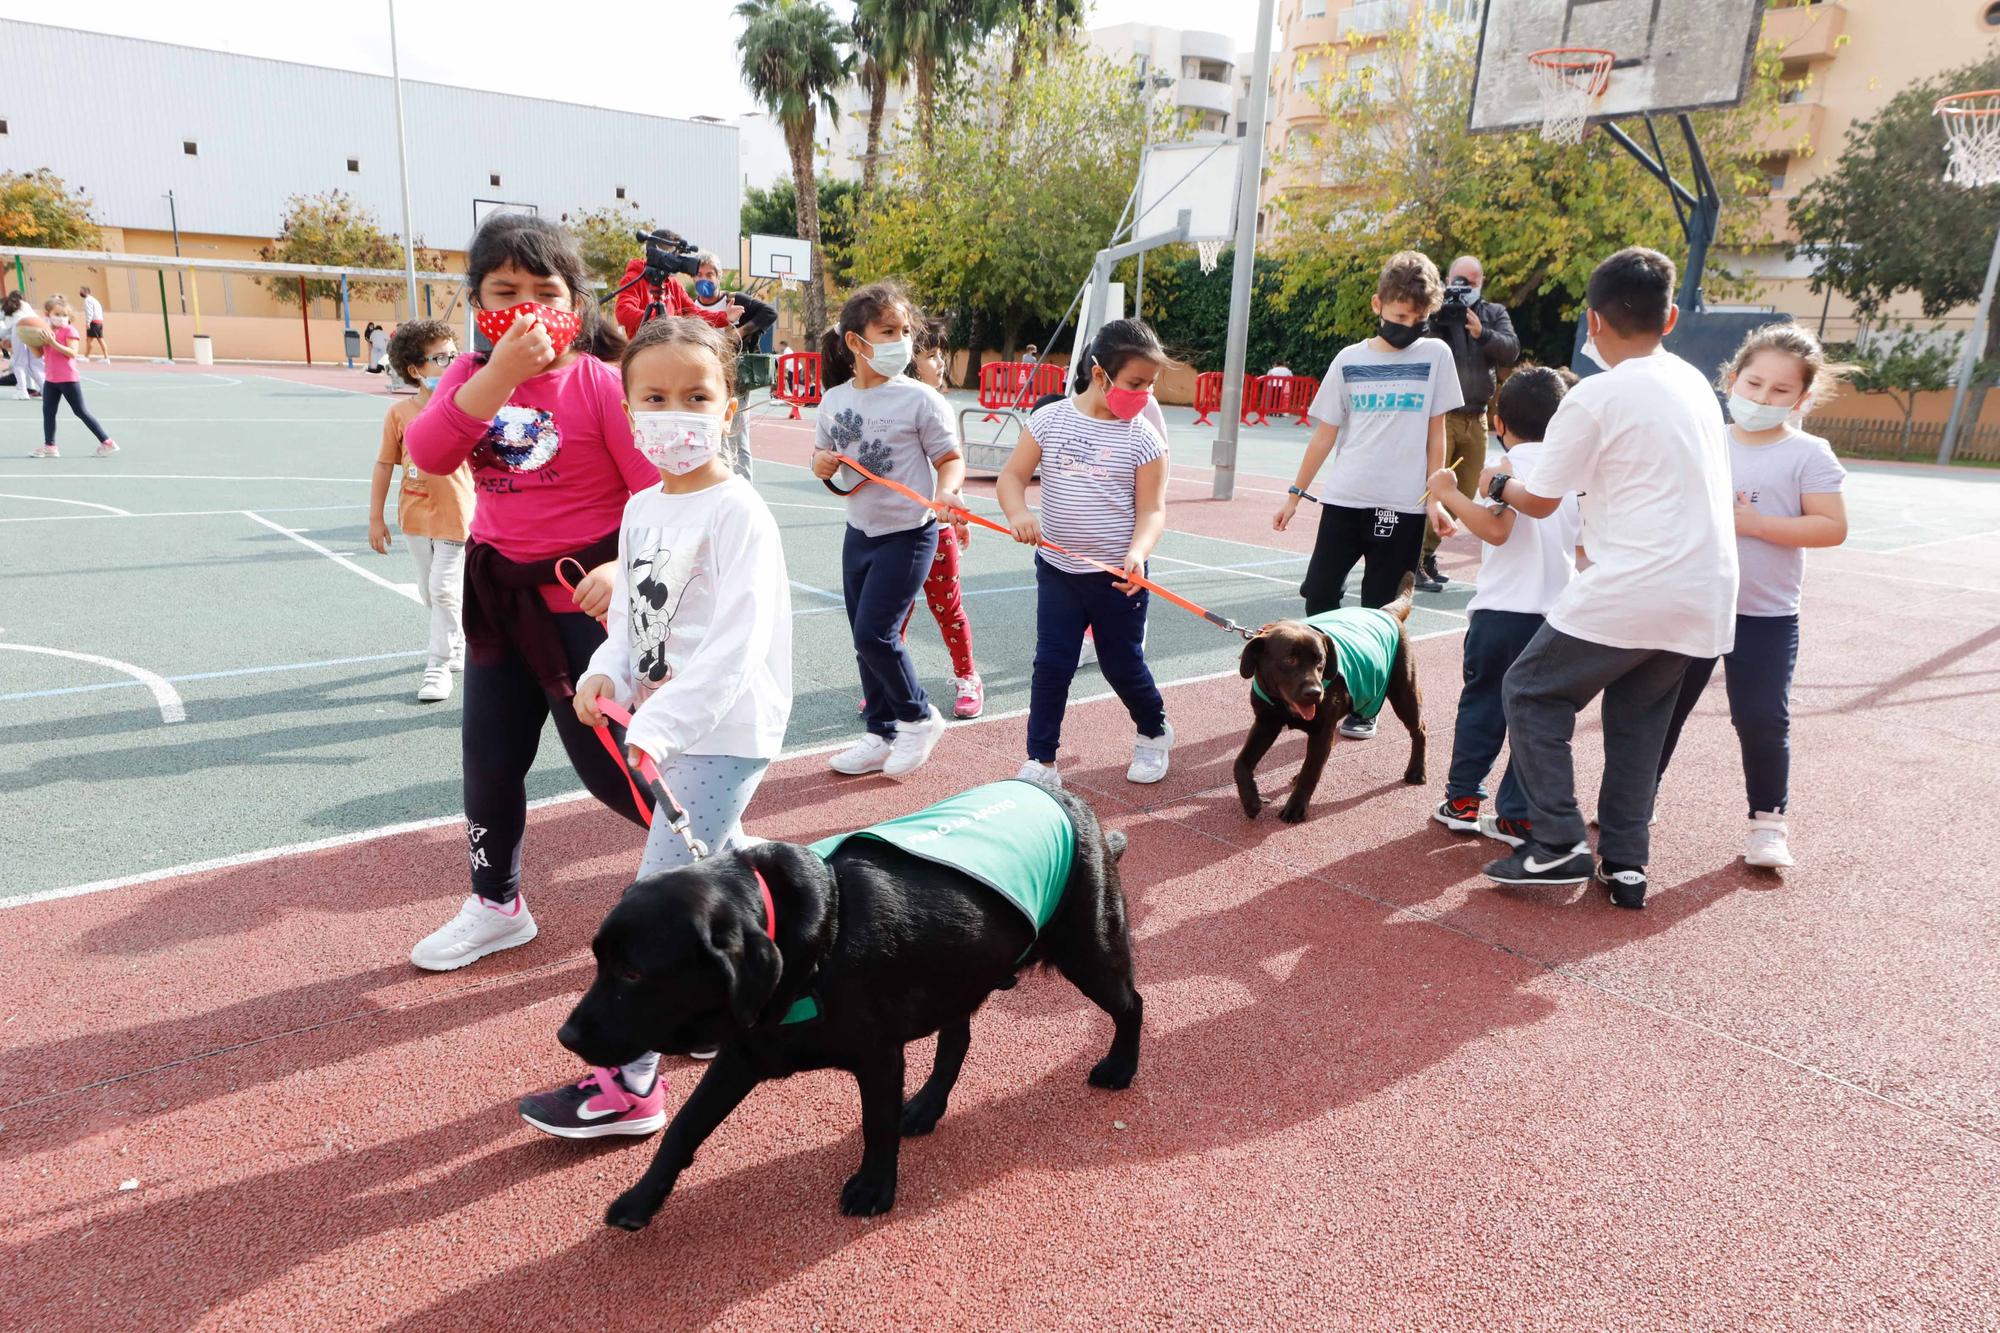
column 1457, row 301
column 667, row 252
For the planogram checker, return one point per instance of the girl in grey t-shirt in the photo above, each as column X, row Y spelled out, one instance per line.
column 1787, row 486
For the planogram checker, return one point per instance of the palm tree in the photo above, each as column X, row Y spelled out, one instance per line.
column 793, row 62
column 878, row 40
column 931, row 34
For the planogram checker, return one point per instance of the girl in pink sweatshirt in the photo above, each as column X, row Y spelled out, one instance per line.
column 543, row 426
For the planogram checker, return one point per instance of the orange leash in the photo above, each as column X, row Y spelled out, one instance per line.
column 966, row 515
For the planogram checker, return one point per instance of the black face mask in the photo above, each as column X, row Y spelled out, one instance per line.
column 1397, row 335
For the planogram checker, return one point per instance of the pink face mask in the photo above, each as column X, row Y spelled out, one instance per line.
column 1125, row 404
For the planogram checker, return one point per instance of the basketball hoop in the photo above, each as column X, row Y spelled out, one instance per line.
column 791, row 282
column 1211, row 254
column 1570, row 80
column 1972, row 137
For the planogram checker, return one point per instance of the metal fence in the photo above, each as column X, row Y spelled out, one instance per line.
column 1876, row 438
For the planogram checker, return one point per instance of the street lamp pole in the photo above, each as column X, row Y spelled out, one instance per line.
column 403, row 167
column 174, row 220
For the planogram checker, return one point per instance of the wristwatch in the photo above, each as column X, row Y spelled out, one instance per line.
column 1496, row 489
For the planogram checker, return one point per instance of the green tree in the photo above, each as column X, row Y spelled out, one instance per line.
column 1884, row 221
column 773, row 211
column 606, row 238
column 1395, row 168
column 793, row 62
column 1901, row 368
column 997, row 248
column 332, row 229
column 38, row 209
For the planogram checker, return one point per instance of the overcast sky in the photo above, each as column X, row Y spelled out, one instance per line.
column 695, row 41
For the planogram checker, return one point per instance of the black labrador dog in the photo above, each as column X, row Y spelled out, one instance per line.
column 1293, row 664
column 888, row 946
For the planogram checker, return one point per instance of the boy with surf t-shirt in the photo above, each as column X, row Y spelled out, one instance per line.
column 1384, row 400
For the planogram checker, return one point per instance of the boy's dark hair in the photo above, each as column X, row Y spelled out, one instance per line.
column 1632, row 291
column 407, row 344
column 1528, row 400
column 1411, row 276
column 538, row 246
column 1115, row 344
column 864, row 307
column 682, row 331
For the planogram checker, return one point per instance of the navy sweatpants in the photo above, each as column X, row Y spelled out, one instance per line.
column 1758, row 674
column 1493, row 639
column 881, row 578
column 1065, row 605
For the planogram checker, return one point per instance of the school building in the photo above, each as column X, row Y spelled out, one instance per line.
column 195, row 153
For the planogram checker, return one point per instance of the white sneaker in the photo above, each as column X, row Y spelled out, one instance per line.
column 1766, row 846
column 1088, row 653
column 479, row 928
column 46, row 451
column 1149, row 757
column 866, row 755
column 914, row 743
column 436, row 687
column 457, row 663
column 1041, row 774
column 106, row 449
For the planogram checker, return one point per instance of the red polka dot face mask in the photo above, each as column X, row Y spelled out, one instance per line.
column 562, row 325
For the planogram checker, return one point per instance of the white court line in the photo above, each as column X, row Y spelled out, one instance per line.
column 408, row 590
column 818, row 592
column 161, row 379
column 262, row 421
column 168, row 698
column 216, row 675
column 112, row 510
column 445, row 821
column 1942, row 541
column 168, row 513
column 174, row 476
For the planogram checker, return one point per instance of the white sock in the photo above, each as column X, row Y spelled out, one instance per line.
column 638, row 1076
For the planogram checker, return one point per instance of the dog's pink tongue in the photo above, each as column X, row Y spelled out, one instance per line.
column 1306, row 711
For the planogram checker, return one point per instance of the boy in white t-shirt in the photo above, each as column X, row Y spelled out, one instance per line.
column 1528, row 561
column 1643, row 444
column 1384, row 401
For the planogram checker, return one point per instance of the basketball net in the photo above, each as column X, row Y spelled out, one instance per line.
column 1211, row 254
column 1570, row 79
column 1972, row 137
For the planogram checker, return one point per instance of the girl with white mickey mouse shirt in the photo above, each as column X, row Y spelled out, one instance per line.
column 543, row 426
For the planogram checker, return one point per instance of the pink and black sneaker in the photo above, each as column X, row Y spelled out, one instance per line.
column 970, row 699
column 595, row 1106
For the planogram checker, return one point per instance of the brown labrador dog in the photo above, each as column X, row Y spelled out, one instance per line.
column 1295, row 670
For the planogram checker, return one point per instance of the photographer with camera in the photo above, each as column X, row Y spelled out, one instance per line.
column 1481, row 337
column 649, row 291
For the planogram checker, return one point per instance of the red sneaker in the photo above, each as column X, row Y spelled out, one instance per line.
column 970, row 700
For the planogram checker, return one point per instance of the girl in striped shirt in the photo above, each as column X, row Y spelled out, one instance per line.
column 1104, row 495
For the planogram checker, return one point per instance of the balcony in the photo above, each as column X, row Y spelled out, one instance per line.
column 1797, row 131
column 1199, row 45
column 1205, row 95
column 1373, row 18
column 1806, row 32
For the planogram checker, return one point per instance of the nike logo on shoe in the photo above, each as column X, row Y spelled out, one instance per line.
column 1534, row 867
column 584, row 1112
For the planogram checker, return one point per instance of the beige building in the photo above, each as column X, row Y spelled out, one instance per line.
column 1853, row 54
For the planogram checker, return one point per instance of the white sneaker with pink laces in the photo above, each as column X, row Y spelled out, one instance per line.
column 480, row 928
column 106, row 449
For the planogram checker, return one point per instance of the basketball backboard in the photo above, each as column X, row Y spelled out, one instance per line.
column 1200, row 177
column 1669, row 55
column 483, row 209
column 780, row 257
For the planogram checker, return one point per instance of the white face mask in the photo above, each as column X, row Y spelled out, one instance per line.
column 1758, row 416
column 678, row 442
column 1472, row 295
column 888, row 359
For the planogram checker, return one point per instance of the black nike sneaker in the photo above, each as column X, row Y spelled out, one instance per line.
column 1626, row 884
column 1538, row 863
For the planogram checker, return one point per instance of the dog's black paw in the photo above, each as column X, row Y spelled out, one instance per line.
column 1293, row 813
column 1113, row 1072
column 920, row 1115
column 632, row 1210
column 1414, row 776
column 865, row 1195
column 1252, row 803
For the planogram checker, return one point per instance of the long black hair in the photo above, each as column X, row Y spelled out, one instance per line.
column 1115, row 344
column 836, row 362
column 538, row 246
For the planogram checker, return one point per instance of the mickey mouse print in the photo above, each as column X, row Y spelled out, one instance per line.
column 669, row 572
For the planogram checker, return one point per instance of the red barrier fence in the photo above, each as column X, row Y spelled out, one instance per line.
column 1208, row 397
column 1016, row 384
column 1286, row 396
column 795, row 380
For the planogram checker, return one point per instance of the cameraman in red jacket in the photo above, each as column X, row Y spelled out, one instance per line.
column 746, row 314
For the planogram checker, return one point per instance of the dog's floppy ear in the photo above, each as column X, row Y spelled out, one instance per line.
column 1253, row 652
column 749, row 962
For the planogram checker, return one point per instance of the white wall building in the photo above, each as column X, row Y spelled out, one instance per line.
column 1191, row 70
column 761, row 153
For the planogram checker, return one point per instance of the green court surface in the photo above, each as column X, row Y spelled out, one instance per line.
column 218, row 568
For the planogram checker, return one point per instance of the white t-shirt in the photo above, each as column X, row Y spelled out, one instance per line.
column 1090, row 482
column 898, row 430
column 93, row 310
column 1775, row 476
column 1644, row 445
column 700, row 641
column 1536, row 562
column 1383, row 403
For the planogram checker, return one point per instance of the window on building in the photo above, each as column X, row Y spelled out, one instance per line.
column 621, row 192
column 492, row 178
column 189, row 147
column 1313, row 9
column 1991, row 18
column 3, row 126
column 354, row 165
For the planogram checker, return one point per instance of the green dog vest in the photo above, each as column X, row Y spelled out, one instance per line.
column 1364, row 644
column 1011, row 836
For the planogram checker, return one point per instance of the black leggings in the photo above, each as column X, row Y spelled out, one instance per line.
column 1390, row 542
column 505, row 707
column 53, row 393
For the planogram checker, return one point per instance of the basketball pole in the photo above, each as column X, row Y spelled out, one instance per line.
column 403, row 167
column 1250, row 174
column 1968, row 358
